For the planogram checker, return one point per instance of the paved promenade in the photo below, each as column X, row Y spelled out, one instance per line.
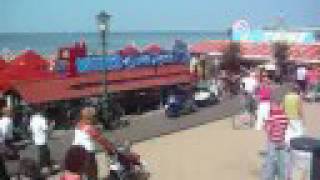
column 213, row 151
column 154, row 124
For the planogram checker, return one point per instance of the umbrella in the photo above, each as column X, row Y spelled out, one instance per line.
column 129, row 50
column 25, row 73
column 152, row 49
column 30, row 58
column 2, row 63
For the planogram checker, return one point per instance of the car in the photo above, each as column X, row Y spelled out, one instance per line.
column 206, row 93
column 180, row 102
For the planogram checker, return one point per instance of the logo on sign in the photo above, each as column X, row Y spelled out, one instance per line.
column 241, row 25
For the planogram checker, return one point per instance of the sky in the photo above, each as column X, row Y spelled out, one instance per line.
column 146, row 15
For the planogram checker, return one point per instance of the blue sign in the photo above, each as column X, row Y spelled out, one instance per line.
column 268, row 35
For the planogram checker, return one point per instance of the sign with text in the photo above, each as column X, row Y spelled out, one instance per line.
column 273, row 36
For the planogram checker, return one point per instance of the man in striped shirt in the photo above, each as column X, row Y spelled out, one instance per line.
column 277, row 153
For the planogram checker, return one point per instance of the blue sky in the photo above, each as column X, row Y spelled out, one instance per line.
column 132, row 15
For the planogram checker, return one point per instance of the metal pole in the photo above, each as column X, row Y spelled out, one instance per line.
column 103, row 36
column 105, row 89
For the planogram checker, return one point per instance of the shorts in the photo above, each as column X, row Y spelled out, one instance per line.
column 302, row 85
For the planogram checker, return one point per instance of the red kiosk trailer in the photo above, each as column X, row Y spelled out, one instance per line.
column 130, row 87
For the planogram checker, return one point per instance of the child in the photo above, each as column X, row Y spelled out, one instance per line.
column 74, row 162
column 29, row 169
column 277, row 154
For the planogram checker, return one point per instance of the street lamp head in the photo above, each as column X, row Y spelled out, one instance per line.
column 102, row 27
column 103, row 19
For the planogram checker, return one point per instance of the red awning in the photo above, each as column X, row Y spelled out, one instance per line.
column 152, row 49
column 30, row 58
column 22, row 73
column 4, row 85
column 211, row 46
column 41, row 91
column 304, row 52
column 14, row 73
column 256, row 50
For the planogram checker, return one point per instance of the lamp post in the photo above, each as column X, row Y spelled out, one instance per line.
column 103, row 22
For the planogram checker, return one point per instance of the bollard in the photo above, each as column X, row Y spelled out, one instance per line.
column 306, row 152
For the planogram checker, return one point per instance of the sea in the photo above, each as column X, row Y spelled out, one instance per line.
column 48, row 43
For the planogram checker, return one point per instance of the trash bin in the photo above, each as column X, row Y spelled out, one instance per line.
column 306, row 154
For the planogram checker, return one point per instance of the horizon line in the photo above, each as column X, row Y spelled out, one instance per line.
column 121, row 31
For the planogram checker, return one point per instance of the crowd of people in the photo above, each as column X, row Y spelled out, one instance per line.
column 39, row 128
column 80, row 160
column 281, row 119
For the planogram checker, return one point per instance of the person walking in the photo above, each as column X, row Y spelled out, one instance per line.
column 277, row 157
column 3, row 170
column 301, row 78
column 6, row 126
column 85, row 137
column 5, row 139
column 312, row 81
column 293, row 107
column 39, row 129
column 84, row 141
column 75, row 159
column 250, row 83
column 263, row 99
column 249, row 87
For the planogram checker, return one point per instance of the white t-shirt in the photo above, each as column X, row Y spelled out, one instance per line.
column 39, row 127
column 301, row 73
column 250, row 84
column 82, row 138
column 6, row 128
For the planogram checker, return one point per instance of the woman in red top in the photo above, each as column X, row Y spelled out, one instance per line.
column 263, row 99
column 86, row 134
